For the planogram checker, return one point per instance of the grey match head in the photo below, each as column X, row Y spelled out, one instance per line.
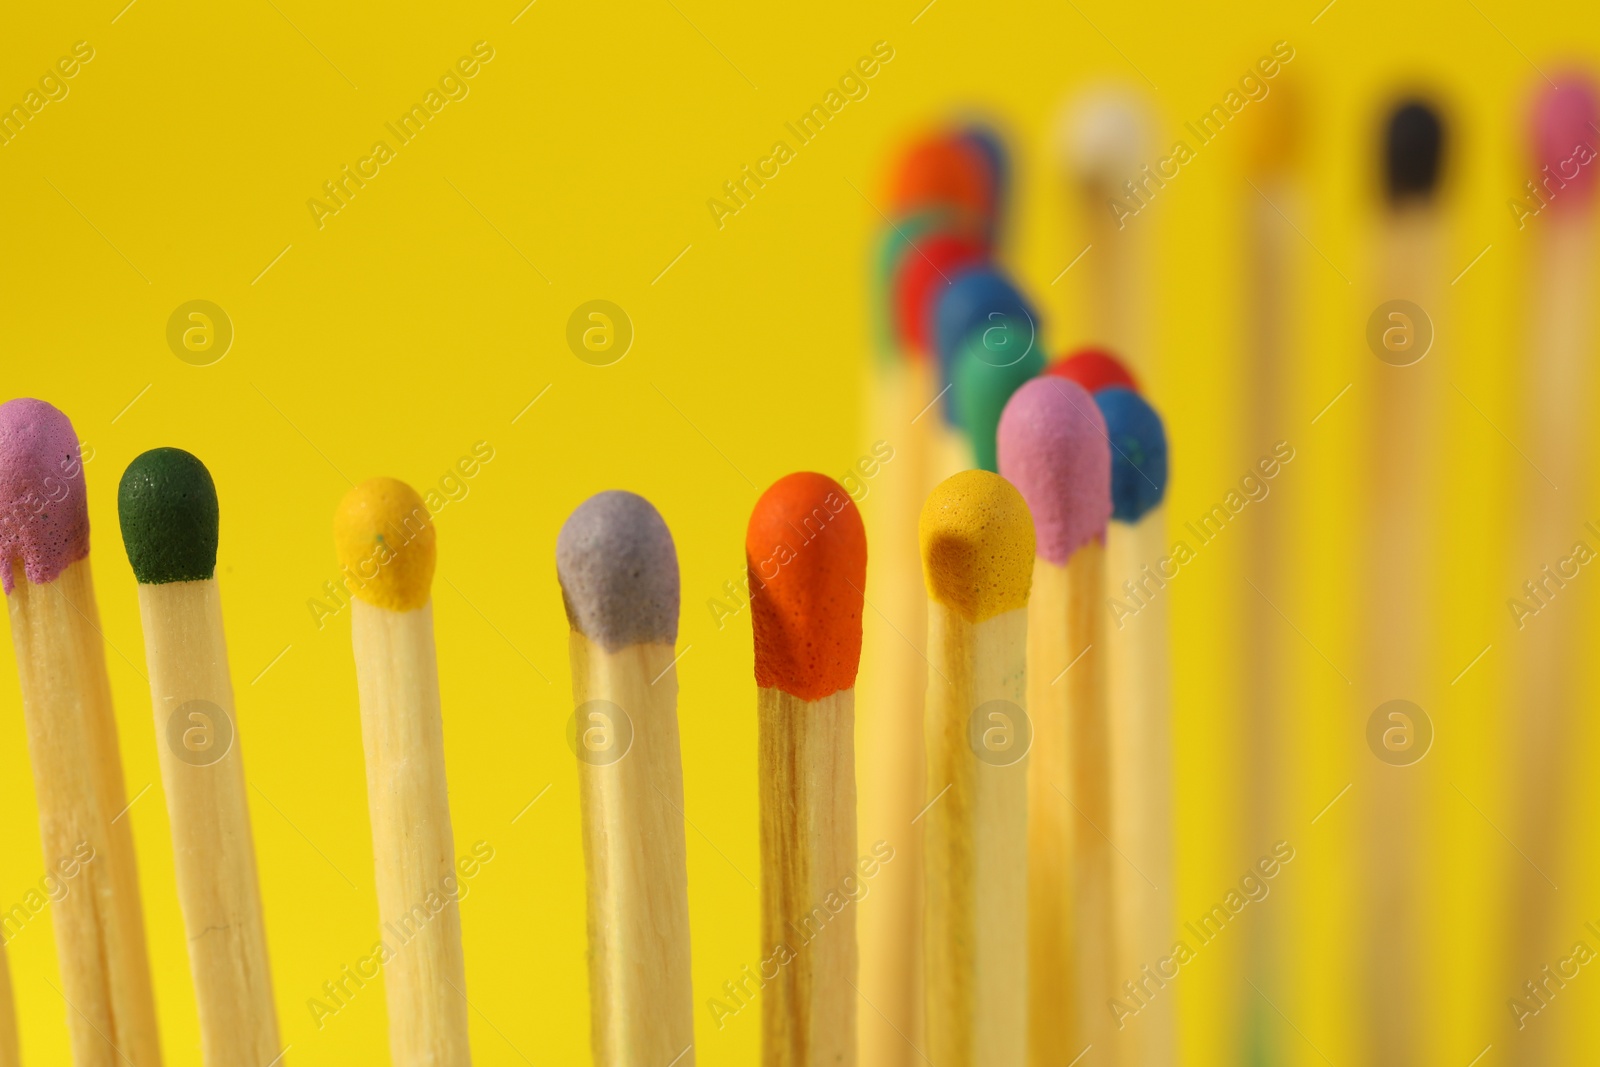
column 619, row 572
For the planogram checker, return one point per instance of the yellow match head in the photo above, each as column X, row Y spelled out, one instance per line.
column 384, row 537
column 977, row 545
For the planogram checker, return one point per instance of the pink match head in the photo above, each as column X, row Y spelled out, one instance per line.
column 44, row 511
column 1053, row 448
column 1565, row 137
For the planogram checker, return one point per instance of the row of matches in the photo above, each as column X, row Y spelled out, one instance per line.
column 957, row 335
column 807, row 553
column 1017, row 930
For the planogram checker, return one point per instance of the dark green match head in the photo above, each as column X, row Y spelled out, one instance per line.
column 168, row 508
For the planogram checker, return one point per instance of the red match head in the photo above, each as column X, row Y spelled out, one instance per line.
column 926, row 267
column 1094, row 369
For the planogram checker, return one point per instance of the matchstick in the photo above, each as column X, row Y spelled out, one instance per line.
column 1139, row 688
column 903, row 388
column 168, row 509
column 619, row 583
column 1403, row 465
column 1555, row 430
column 807, row 553
column 382, row 527
column 977, row 555
column 1053, row 448
column 72, row 738
column 1268, row 310
column 1104, row 139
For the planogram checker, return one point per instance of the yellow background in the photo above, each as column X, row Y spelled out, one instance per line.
column 429, row 312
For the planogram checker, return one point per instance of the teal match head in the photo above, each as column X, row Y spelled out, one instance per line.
column 168, row 507
column 991, row 364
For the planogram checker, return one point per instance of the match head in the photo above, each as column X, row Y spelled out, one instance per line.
column 385, row 539
column 895, row 243
column 168, row 508
column 1094, row 369
column 989, row 367
column 991, row 144
column 618, row 570
column 944, row 171
column 1413, row 151
column 924, row 272
column 807, row 553
column 1563, row 119
column 1276, row 133
column 1138, row 453
column 1053, row 448
column 44, row 510
column 973, row 298
column 1103, row 137
column 977, row 545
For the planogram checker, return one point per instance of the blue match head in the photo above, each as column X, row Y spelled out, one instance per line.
column 973, row 301
column 1138, row 453
column 987, row 141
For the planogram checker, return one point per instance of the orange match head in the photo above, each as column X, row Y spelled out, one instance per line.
column 945, row 170
column 807, row 553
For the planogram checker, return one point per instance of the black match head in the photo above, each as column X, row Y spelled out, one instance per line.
column 1413, row 150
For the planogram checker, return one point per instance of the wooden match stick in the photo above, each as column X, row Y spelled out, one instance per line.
column 1053, row 447
column 168, row 507
column 1139, row 690
column 1555, row 429
column 1403, row 465
column 892, row 779
column 923, row 278
column 383, row 528
column 1268, row 313
column 807, row 553
column 1104, row 141
column 619, row 582
column 72, row 738
column 977, row 555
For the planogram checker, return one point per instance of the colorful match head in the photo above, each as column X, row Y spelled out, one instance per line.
column 989, row 142
column 896, row 242
column 1138, row 453
column 1565, row 122
column 974, row 298
column 44, row 510
column 1094, row 369
column 977, row 545
column 1276, row 133
column 1053, row 448
column 167, row 505
column 1104, row 136
column 1413, row 150
column 925, row 270
column 807, row 553
column 944, row 171
column 618, row 570
column 988, row 368
column 385, row 539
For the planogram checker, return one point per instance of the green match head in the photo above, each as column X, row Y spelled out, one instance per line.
column 168, row 508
